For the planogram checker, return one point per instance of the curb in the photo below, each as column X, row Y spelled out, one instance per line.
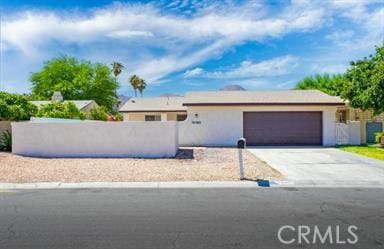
column 193, row 184
column 150, row 185
column 329, row 184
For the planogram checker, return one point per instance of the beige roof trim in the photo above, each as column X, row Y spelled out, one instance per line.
column 159, row 104
column 261, row 104
column 279, row 97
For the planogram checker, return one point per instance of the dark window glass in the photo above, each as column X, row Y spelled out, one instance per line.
column 181, row 117
column 152, row 118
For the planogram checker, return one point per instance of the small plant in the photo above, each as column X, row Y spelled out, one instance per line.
column 379, row 138
column 115, row 116
column 6, row 141
column 99, row 113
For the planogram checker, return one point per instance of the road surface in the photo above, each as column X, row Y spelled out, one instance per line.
column 190, row 218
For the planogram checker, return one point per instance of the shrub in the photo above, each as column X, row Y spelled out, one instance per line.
column 99, row 113
column 15, row 107
column 118, row 117
column 115, row 116
column 60, row 110
column 6, row 141
column 378, row 136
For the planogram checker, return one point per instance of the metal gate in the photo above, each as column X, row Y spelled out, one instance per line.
column 372, row 128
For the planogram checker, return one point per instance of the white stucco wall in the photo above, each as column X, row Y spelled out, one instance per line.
column 329, row 132
column 354, row 133
column 223, row 125
column 211, row 128
column 95, row 139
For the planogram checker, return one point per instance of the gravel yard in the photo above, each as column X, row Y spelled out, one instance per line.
column 197, row 164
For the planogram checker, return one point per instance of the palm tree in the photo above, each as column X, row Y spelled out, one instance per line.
column 135, row 82
column 117, row 68
column 142, row 85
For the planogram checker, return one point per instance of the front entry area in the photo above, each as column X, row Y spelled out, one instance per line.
column 283, row 128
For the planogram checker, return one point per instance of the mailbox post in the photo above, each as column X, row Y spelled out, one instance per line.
column 241, row 144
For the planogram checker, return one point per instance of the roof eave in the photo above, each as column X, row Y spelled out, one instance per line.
column 266, row 104
column 184, row 110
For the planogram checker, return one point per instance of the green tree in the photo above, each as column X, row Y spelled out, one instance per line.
column 325, row 83
column 117, row 68
column 363, row 84
column 60, row 110
column 76, row 80
column 14, row 107
column 137, row 83
column 98, row 113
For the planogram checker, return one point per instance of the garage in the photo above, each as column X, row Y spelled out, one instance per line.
column 283, row 128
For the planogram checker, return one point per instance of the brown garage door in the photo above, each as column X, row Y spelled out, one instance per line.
column 283, row 128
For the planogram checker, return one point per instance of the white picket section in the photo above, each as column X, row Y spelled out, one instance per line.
column 342, row 133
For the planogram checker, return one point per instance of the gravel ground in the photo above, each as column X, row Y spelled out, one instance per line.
column 204, row 164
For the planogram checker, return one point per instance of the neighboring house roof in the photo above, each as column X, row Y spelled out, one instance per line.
column 170, row 95
column 232, row 88
column 156, row 104
column 80, row 104
column 122, row 100
column 284, row 97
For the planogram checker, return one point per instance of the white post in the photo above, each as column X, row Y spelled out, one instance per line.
column 163, row 117
column 241, row 164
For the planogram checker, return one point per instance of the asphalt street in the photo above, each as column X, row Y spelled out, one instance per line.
column 192, row 218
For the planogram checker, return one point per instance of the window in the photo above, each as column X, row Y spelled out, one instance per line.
column 181, row 117
column 152, row 117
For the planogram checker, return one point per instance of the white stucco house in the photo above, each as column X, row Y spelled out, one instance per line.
column 220, row 118
column 154, row 109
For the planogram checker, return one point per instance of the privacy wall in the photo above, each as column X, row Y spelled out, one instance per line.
column 95, row 139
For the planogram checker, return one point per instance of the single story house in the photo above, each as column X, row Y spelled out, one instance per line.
column 289, row 117
column 82, row 105
column 154, row 109
column 220, row 118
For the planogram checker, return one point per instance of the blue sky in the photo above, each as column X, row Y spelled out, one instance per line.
column 185, row 45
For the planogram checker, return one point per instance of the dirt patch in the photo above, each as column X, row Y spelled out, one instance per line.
column 191, row 164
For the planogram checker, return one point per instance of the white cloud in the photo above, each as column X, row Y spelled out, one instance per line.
column 129, row 33
column 194, row 72
column 156, row 68
column 368, row 23
column 248, row 69
column 130, row 20
column 339, row 37
column 183, row 41
column 356, row 10
column 155, row 43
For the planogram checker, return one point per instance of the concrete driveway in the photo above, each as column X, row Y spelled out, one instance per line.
column 323, row 166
